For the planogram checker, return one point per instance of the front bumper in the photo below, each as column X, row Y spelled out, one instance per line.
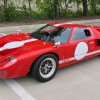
column 3, row 74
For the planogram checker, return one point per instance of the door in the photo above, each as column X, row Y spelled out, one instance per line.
column 81, row 44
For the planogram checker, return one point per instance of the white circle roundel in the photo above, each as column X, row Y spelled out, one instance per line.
column 81, row 50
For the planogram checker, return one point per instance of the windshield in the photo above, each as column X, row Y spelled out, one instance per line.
column 52, row 34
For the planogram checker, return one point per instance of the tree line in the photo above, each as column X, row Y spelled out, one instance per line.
column 48, row 9
column 57, row 6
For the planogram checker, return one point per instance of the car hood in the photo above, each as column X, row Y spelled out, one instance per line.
column 16, row 42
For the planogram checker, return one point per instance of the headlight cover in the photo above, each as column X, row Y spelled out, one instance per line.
column 8, row 61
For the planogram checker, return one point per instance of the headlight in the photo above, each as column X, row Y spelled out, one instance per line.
column 8, row 61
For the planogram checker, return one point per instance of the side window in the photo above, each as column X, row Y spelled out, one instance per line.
column 87, row 32
column 63, row 36
column 81, row 33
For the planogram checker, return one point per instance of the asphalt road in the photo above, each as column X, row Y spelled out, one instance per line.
column 80, row 81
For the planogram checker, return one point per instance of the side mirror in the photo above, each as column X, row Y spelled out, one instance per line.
column 18, row 31
column 57, row 44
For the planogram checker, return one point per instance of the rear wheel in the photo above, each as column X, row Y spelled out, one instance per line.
column 45, row 68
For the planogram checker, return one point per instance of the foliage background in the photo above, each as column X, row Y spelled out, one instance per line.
column 47, row 9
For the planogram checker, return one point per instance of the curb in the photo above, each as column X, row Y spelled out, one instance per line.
column 25, row 28
column 30, row 28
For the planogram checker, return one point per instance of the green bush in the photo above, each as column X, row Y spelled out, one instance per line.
column 79, row 13
column 37, row 14
column 70, row 14
column 98, row 11
column 1, row 13
column 45, row 10
column 10, row 13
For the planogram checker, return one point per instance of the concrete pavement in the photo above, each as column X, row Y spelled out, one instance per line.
column 30, row 28
column 80, row 81
column 24, row 28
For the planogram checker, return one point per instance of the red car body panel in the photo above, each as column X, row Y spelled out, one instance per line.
column 32, row 49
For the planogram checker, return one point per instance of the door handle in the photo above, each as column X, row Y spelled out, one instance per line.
column 91, row 42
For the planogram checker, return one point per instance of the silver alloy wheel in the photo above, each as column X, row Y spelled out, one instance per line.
column 47, row 67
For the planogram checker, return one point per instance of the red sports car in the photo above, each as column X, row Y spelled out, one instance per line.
column 42, row 52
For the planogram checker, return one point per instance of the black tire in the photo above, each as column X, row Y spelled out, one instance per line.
column 43, row 65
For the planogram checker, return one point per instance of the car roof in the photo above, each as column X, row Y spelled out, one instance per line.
column 68, row 25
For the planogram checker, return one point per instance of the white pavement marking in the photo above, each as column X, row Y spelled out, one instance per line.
column 3, row 34
column 18, row 89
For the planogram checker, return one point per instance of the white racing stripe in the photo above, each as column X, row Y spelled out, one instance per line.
column 19, row 90
column 15, row 44
column 73, row 58
column 56, row 25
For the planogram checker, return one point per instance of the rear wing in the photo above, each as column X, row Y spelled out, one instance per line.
column 96, row 31
column 97, row 34
column 97, row 28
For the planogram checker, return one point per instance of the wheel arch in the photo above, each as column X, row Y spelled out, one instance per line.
column 43, row 55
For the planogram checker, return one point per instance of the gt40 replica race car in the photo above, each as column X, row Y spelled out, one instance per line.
column 45, row 50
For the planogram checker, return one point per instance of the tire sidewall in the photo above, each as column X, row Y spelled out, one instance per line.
column 37, row 67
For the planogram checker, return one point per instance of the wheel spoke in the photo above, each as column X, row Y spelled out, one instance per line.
column 47, row 67
column 47, row 62
column 49, row 70
column 43, row 71
column 50, row 66
column 46, row 71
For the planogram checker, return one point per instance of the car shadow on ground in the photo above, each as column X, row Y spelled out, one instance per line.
column 63, row 71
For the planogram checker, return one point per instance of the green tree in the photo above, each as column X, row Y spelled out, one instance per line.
column 30, row 8
column 85, row 7
column 5, row 3
column 93, row 6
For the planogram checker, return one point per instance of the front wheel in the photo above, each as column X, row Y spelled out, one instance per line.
column 45, row 68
